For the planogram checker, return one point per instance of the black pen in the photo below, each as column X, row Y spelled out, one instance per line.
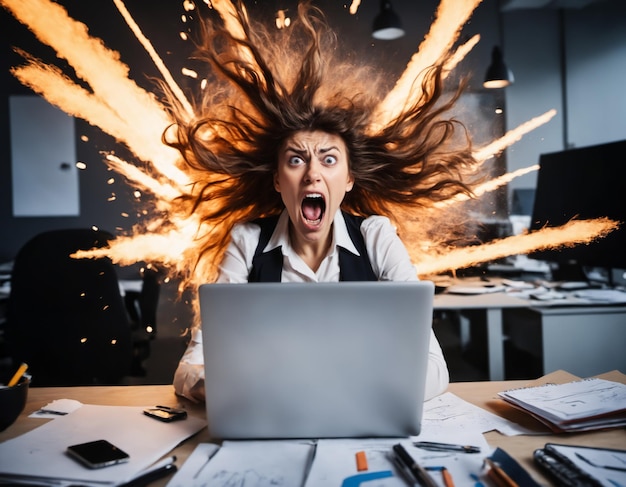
column 421, row 476
column 152, row 475
column 434, row 446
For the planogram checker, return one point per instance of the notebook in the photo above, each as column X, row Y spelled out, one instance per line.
column 315, row 360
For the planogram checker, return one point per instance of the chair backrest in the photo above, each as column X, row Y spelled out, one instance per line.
column 66, row 317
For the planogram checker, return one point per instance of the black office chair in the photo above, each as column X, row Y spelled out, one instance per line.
column 66, row 317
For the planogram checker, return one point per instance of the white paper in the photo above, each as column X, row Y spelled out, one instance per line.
column 335, row 463
column 143, row 438
column 190, row 474
column 449, row 413
column 56, row 409
column 250, row 463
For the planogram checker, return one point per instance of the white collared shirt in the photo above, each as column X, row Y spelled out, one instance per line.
column 388, row 256
column 389, row 259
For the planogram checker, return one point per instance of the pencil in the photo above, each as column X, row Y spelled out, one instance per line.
column 18, row 375
column 447, row 477
column 498, row 475
column 445, row 473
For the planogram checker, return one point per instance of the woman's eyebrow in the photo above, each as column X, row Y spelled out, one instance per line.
column 324, row 150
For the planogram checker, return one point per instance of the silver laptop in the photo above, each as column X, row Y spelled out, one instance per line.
column 315, row 360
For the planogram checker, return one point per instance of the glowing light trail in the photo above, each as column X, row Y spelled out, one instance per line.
column 182, row 99
column 572, row 233
column 513, row 136
column 445, row 29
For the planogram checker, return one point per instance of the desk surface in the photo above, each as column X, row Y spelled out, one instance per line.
column 482, row 394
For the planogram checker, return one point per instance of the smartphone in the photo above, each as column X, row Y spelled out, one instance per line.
column 97, row 454
column 165, row 413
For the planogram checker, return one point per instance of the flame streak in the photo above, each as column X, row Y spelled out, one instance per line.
column 572, row 233
column 513, row 136
column 155, row 57
column 161, row 191
column 443, row 32
column 484, row 188
column 117, row 105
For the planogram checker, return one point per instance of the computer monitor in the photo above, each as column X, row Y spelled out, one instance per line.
column 583, row 183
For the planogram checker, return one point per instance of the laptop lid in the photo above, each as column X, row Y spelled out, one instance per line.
column 315, row 360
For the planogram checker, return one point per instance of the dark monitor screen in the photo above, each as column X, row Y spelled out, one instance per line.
column 583, row 183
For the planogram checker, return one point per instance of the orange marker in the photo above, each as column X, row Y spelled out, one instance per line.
column 361, row 461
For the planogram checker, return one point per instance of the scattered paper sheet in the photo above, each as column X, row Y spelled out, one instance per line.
column 191, row 472
column 143, row 438
column 57, row 408
column 250, row 463
column 449, row 413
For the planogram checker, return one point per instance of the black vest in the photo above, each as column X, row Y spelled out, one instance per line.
column 268, row 266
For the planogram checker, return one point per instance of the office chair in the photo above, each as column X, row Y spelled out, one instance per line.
column 66, row 317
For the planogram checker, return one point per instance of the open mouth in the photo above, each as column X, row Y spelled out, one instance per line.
column 313, row 208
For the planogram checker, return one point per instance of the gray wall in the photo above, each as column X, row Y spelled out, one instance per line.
column 574, row 61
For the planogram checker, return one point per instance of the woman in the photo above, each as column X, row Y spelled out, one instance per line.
column 298, row 180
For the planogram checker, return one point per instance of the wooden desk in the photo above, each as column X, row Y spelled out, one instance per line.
column 482, row 394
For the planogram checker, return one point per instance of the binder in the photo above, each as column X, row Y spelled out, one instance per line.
column 582, row 466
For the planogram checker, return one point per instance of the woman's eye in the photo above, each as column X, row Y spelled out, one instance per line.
column 330, row 160
column 295, row 160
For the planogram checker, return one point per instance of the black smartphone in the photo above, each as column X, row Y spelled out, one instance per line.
column 97, row 454
column 165, row 413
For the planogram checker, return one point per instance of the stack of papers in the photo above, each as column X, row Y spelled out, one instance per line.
column 582, row 405
column 39, row 456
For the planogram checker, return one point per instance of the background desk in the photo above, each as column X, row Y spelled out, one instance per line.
column 491, row 305
column 584, row 339
column 481, row 394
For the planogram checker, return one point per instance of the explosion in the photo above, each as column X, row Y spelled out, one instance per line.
column 172, row 233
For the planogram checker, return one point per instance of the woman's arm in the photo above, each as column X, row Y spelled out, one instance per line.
column 391, row 262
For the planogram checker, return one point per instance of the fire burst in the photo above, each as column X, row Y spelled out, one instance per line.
column 134, row 117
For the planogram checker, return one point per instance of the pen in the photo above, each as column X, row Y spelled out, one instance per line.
column 420, row 475
column 159, row 470
column 435, row 446
column 18, row 375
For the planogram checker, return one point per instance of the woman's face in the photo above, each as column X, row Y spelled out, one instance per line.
column 313, row 177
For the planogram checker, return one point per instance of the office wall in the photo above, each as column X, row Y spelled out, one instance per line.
column 574, row 61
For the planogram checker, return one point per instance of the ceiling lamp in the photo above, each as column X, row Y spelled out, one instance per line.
column 387, row 25
column 498, row 75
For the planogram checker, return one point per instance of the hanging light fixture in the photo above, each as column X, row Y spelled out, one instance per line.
column 498, row 75
column 387, row 25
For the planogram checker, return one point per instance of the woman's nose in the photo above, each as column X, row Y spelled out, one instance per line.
column 312, row 174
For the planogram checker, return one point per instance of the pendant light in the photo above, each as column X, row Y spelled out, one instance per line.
column 387, row 25
column 498, row 75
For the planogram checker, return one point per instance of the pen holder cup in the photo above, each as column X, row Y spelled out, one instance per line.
column 12, row 402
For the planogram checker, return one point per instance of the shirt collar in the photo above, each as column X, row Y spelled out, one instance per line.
column 280, row 237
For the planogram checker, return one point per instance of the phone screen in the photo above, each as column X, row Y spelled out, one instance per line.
column 97, row 454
